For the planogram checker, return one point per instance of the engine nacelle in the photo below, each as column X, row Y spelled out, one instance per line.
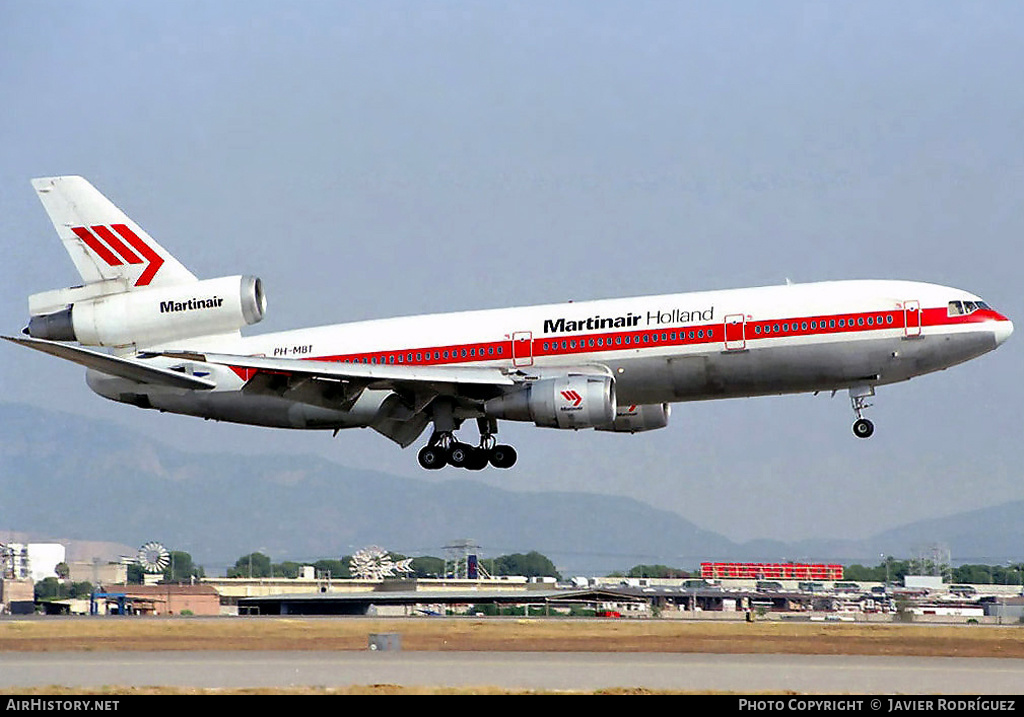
column 145, row 317
column 633, row 419
column 577, row 401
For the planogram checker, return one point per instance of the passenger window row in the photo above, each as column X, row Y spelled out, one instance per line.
column 787, row 327
column 628, row 339
column 416, row 357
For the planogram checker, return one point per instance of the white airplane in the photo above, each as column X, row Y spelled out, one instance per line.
column 613, row 365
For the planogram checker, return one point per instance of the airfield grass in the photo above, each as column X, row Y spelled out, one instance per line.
column 382, row 689
column 520, row 635
column 472, row 634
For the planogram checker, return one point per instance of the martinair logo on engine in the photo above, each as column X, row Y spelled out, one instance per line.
column 573, row 398
column 213, row 302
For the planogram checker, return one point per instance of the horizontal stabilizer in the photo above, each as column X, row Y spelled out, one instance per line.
column 115, row 365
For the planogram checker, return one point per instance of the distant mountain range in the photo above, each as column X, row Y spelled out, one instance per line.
column 77, row 479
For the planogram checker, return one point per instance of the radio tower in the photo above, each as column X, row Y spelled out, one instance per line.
column 462, row 560
column 936, row 560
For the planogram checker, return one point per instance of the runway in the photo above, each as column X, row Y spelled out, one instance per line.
column 806, row 674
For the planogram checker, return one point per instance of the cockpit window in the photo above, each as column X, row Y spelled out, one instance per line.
column 961, row 308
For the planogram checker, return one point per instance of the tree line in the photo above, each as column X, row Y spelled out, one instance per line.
column 259, row 565
column 182, row 569
column 893, row 570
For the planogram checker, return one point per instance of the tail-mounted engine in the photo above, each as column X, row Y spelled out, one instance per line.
column 146, row 317
column 575, row 401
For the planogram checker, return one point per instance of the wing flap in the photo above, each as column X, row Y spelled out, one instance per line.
column 392, row 376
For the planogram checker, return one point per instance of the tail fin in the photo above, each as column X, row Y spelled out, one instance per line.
column 104, row 244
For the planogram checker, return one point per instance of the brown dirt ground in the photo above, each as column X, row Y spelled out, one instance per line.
column 473, row 634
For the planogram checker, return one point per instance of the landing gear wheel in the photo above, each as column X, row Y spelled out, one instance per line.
column 863, row 428
column 477, row 460
column 859, row 395
column 503, row 456
column 460, row 455
column 433, row 457
column 443, row 449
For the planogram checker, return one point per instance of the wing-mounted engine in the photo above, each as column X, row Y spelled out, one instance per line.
column 147, row 317
column 572, row 401
column 636, row 418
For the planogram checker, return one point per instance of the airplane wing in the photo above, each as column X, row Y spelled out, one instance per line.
column 373, row 375
column 115, row 365
column 338, row 385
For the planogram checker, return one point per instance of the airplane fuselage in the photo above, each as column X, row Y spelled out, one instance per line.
column 658, row 349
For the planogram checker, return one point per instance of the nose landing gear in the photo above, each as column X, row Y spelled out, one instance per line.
column 859, row 395
column 863, row 428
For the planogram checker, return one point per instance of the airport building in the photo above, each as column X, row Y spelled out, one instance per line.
column 155, row 600
column 636, row 598
column 727, row 591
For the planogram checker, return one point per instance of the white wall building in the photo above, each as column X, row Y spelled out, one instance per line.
column 36, row 560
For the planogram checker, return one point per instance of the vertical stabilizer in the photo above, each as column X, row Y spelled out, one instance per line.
column 105, row 245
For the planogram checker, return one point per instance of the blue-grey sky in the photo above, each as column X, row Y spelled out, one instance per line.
column 378, row 159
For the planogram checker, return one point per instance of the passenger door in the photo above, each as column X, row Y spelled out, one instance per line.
column 522, row 348
column 911, row 318
column 735, row 332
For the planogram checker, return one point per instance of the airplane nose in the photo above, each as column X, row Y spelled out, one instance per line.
column 1002, row 330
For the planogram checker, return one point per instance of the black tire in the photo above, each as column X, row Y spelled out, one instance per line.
column 478, row 459
column 460, row 455
column 432, row 458
column 863, row 428
column 503, row 456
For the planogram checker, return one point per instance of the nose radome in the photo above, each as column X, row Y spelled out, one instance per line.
column 1002, row 330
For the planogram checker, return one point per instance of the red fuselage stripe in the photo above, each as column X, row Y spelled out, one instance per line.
column 892, row 319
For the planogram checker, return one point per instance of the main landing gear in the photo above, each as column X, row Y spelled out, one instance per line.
column 444, row 449
column 859, row 395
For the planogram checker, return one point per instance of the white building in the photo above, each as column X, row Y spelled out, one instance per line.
column 35, row 560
